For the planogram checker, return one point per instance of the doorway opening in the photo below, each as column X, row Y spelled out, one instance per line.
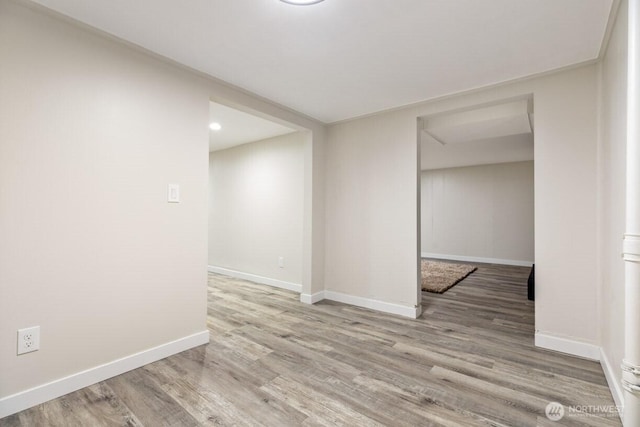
column 476, row 231
column 256, row 198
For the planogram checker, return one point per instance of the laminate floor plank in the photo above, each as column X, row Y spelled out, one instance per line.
column 144, row 397
column 469, row 360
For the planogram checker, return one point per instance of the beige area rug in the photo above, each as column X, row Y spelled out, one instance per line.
column 439, row 276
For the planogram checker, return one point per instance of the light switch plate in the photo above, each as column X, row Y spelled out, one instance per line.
column 173, row 193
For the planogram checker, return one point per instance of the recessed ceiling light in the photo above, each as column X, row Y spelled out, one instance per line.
column 215, row 126
column 301, row 2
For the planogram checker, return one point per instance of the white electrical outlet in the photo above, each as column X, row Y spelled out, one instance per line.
column 28, row 339
column 281, row 262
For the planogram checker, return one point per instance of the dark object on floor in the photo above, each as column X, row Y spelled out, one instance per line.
column 531, row 284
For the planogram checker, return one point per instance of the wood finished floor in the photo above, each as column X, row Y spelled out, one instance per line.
column 468, row 361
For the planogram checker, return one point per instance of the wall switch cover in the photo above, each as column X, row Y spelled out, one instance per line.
column 173, row 193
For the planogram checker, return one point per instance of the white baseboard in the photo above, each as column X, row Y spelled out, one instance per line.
column 567, row 345
column 386, row 307
column 295, row 287
column 312, row 298
column 614, row 384
column 478, row 259
column 402, row 310
column 45, row 392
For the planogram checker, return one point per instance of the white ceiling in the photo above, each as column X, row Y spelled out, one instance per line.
column 495, row 121
column 340, row 59
column 485, row 135
column 239, row 127
column 512, row 148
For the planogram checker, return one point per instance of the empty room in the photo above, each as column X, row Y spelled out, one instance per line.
column 220, row 212
column 477, row 218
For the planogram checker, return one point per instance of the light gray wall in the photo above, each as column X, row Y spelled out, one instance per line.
column 371, row 208
column 479, row 211
column 91, row 133
column 91, row 251
column 372, row 239
column 256, row 207
column 611, row 171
